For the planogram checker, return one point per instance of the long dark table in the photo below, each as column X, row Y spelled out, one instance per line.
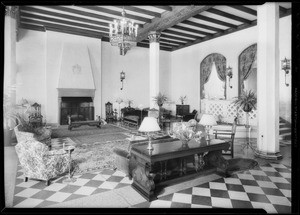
column 169, row 162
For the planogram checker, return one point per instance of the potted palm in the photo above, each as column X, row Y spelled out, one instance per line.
column 247, row 101
column 160, row 99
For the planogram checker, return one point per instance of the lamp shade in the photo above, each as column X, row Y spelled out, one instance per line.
column 208, row 119
column 149, row 124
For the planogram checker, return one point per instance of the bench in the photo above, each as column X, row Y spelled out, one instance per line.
column 80, row 123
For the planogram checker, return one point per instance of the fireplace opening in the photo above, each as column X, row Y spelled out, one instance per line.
column 79, row 108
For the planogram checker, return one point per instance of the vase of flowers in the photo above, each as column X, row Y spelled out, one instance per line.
column 184, row 131
column 182, row 99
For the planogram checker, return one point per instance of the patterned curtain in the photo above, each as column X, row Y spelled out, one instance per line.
column 205, row 70
column 247, row 64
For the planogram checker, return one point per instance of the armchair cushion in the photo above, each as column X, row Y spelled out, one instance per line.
column 24, row 133
column 40, row 163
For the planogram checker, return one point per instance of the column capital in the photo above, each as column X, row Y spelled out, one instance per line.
column 11, row 11
column 154, row 36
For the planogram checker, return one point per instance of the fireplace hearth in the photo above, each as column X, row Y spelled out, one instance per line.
column 79, row 108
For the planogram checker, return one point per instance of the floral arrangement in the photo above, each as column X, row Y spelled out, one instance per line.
column 182, row 99
column 185, row 131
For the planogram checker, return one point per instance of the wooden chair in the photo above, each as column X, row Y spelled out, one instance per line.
column 227, row 134
column 109, row 113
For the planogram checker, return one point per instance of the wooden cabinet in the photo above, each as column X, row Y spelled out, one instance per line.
column 182, row 110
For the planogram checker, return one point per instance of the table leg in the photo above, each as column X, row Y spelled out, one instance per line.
column 143, row 180
column 69, row 179
column 201, row 162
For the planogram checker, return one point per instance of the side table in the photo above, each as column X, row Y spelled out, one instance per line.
column 69, row 149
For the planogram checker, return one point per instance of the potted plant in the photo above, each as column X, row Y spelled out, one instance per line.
column 182, row 99
column 160, row 99
column 247, row 101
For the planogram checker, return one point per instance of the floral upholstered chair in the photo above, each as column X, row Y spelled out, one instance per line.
column 41, row 134
column 39, row 163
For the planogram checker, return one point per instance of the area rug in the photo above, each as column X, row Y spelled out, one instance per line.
column 99, row 138
column 97, row 156
column 240, row 164
column 62, row 131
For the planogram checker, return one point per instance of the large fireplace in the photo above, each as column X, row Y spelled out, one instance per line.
column 79, row 108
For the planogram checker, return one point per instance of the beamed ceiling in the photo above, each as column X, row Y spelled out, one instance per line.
column 180, row 26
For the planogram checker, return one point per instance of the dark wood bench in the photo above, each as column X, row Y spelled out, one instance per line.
column 80, row 123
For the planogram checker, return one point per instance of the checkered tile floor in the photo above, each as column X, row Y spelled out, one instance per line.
column 267, row 187
column 34, row 193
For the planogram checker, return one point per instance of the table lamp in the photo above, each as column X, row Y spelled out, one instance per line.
column 148, row 125
column 208, row 121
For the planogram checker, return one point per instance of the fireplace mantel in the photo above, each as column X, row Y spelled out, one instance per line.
column 70, row 92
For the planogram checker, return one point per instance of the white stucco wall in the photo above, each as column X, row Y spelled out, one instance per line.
column 185, row 64
column 135, row 64
column 31, row 61
column 39, row 56
column 285, row 44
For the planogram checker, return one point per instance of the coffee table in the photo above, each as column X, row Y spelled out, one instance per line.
column 154, row 169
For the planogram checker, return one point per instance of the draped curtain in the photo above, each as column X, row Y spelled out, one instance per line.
column 247, row 64
column 205, row 70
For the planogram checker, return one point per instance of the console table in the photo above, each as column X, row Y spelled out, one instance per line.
column 154, row 170
column 182, row 110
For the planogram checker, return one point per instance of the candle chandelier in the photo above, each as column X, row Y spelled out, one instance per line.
column 123, row 33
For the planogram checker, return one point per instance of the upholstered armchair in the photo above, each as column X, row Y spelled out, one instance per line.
column 39, row 163
column 41, row 134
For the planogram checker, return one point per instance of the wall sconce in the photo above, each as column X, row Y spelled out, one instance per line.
column 229, row 74
column 122, row 77
column 286, row 66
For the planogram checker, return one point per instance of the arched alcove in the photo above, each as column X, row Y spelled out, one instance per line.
column 213, row 63
column 248, row 69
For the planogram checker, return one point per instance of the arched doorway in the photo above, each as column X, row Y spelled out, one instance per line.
column 248, row 69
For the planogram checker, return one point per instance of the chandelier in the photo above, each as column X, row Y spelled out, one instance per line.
column 123, row 33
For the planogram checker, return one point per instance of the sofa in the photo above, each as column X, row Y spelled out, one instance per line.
column 132, row 116
column 38, row 162
column 27, row 132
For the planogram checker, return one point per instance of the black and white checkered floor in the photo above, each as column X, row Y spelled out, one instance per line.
column 267, row 187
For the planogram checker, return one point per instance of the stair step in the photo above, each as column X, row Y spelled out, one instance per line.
column 284, row 131
column 286, row 136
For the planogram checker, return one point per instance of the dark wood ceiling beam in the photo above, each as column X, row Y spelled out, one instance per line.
column 215, row 21
column 116, row 13
column 140, row 10
column 168, row 8
column 228, row 31
column 195, row 24
column 169, row 19
column 168, row 41
column 59, row 21
column 83, row 13
column 228, row 15
column 181, row 34
column 63, row 28
column 65, row 16
column 244, row 9
column 171, row 41
column 191, row 30
column 165, row 49
column 32, row 27
column 175, row 38
column 284, row 12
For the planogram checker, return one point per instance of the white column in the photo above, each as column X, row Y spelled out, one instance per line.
column 154, row 66
column 10, row 31
column 268, row 80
